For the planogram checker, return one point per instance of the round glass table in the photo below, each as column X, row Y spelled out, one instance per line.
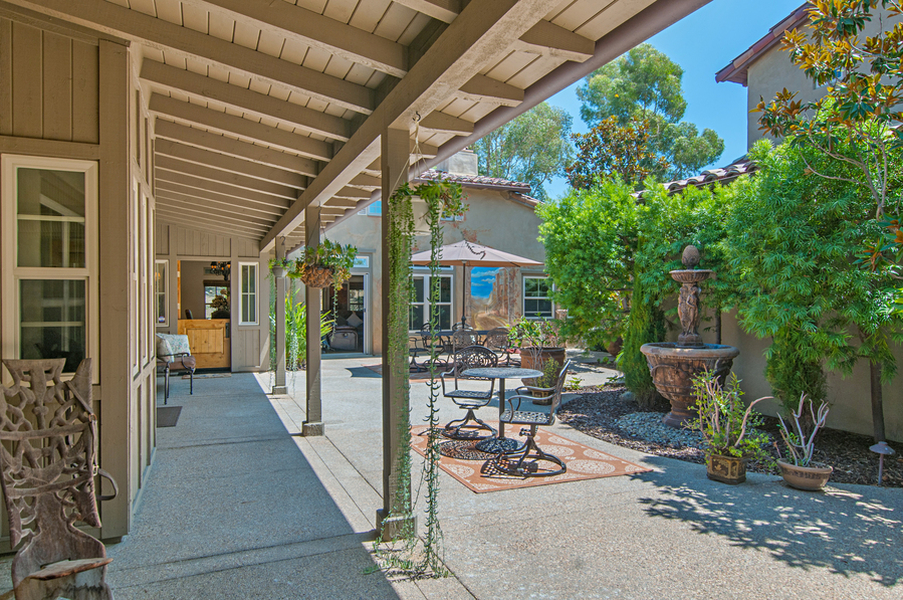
column 501, row 443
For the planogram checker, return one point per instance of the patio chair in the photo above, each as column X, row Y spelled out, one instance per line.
column 174, row 355
column 497, row 341
column 525, row 460
column 470, row 426
column 464, row 338
column 48, row 462
column 428, row 341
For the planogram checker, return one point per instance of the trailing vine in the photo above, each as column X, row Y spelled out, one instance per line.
column 442, row 199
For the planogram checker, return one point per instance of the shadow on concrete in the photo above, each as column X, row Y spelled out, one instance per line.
column 364, row 372
column 232, row 509
column 847, row 532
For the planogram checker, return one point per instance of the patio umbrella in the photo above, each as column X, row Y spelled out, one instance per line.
column 466, row 253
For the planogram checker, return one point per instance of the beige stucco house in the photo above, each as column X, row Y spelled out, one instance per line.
column 137, row 131
column 764, row 69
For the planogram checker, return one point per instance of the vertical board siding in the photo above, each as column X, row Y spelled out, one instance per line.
column 191, row 242
column 48, row 85
column 161, row 238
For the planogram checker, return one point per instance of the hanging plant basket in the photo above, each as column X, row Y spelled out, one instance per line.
column 316, row 276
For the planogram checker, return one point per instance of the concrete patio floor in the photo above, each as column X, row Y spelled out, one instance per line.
column 239, row 506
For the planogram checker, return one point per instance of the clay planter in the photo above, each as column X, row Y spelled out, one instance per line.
column 536, row 358
column 726, row 469
column 810, row 479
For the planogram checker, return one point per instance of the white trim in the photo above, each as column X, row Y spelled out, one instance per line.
column 165, row 279
column 523, row 297
column 241, row 294
column 12, row 274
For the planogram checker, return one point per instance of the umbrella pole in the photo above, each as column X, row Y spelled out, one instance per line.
column 464, row 296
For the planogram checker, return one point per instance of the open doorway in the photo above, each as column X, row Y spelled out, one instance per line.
column 205, row 312
column 349, row 309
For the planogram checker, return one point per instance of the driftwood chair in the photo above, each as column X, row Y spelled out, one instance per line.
column 525, row 460
column 469, row 358
column 48, row 460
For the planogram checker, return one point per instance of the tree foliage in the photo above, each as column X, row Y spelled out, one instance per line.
column 856, row 122
column 791, row 239
column 532, row 148
column 645, row 85
column 614, row 150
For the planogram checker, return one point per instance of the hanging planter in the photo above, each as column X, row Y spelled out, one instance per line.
column 325, row 264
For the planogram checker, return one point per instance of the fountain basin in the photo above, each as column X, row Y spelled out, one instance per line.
column 691, row 275
column 673, row 368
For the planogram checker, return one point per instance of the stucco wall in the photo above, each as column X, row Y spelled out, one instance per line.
column 493, row 219
column 850, row 397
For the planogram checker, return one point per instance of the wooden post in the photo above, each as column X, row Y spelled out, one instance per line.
column 313, row 422
column 279, row 386
column 392, row 519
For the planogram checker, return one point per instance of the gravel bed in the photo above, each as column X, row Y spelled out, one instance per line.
column 601, row 413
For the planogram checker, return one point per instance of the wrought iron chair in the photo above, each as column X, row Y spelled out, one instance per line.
column 459, row 326
column 464, row 338
column 48, row 462
column 469, row 358
column 525, row 460
column 497, row 341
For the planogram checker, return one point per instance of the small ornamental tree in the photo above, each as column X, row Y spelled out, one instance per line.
column 791, row 239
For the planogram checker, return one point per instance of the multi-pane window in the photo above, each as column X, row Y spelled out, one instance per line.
column 248, row 293
column 211, row 292
column 537, row 298
column 161, row 297
column 420, row 303
column 48, row 257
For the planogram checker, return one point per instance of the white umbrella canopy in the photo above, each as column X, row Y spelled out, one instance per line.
column 466, row 254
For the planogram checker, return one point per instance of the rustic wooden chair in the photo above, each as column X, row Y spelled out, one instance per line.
column 524, row 461
column 469, row 358
column 48, row 461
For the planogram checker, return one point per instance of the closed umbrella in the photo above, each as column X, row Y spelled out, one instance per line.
column 466, row 253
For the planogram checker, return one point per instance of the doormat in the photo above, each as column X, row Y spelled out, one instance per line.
column 168, row 416
column 207, row 375
column 463, row 461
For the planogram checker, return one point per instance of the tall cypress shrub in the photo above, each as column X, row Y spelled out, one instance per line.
column 646, row 323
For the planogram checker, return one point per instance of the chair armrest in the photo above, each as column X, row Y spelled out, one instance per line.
column 519, row 398
column 524, row 389
column 442, row 377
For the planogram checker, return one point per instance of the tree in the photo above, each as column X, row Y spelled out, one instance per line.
column 532, row 148
column 645, row 85
column 611, row 149
column 791, row 236
column 857, row 121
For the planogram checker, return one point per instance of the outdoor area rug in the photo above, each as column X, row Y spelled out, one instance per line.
column 207, row 375
column 168, row 416
column 463, row 461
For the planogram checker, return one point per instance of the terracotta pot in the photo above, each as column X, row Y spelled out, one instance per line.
column 614, row 347
column 536, row 358
column 726, row 469
column 805, row 478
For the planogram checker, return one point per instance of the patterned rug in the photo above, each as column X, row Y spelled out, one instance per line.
column 463, row 461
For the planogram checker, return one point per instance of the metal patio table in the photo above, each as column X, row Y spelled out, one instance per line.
column 501, row 443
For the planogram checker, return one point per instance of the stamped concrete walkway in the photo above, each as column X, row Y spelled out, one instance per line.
column 237, row 506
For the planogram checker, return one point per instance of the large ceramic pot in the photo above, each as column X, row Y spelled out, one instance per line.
column 536, row 358
column 726, row 469
column 805, row 478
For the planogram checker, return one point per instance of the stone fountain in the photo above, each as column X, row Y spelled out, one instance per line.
column 674, row 365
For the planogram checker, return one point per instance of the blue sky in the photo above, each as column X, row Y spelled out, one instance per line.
column 702, row 44
column 482, row 280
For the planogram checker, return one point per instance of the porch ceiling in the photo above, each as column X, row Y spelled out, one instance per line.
column 264, row 108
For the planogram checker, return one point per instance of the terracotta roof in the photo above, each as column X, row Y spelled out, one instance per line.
column 742, row 166
column 520, row 191
column 738, row 70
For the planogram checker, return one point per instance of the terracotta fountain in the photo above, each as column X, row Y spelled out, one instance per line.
column 673, row 365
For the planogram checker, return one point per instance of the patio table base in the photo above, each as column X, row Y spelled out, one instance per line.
column 496, row 445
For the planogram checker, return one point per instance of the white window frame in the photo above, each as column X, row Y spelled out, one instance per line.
column 242, row 295
column 12, row 274
column 524, row 298
column 161, row 289
column 426, row 296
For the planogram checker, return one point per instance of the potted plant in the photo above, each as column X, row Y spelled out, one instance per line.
column 324, row 264
column 727, row 425
column 280, row 266
column 539, row 343
column 220, row 305
column 799, row 471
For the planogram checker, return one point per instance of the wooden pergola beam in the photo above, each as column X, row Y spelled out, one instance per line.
column 237, row 148
column 162, row 35
column 185, row 179
column 205, row 88
column 272, row 205
column 226, row 177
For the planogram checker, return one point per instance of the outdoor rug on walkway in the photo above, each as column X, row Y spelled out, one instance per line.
column 463, row 461
column 207, row 375
column 168, row 416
